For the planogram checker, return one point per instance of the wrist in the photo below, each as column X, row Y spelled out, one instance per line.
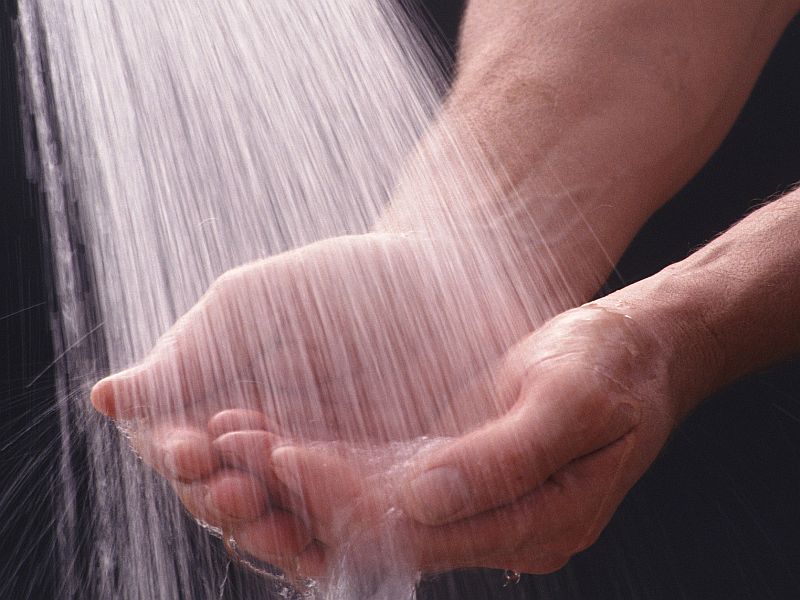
column 673, row 313
column 534, row 226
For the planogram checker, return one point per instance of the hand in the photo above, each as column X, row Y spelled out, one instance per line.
column 590, row 406
column 356, row 339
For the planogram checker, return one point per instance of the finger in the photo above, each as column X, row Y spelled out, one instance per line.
column 237, row 420
column 225, row 498
column 251, row 451
column 273, row 538
column 236, row 495
column 179, row 453
column 559, row 518
column 271, row 408
column 554, row 422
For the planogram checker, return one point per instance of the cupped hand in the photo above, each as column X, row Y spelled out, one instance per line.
column 590, row 404
column 358, row 322
column 359, row 339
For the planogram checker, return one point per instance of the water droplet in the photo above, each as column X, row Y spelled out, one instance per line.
column 511, row 577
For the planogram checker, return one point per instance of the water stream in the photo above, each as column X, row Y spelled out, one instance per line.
column 178, row 139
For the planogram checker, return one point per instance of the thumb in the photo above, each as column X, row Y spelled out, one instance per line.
column 203, row 350
column 556, row 420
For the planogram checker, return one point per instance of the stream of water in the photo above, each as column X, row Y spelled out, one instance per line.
column 178, row 139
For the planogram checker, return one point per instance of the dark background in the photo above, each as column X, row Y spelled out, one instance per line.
column 717, row 516
column 28, row 424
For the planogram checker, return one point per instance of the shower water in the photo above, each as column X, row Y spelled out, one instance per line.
column 179, row 139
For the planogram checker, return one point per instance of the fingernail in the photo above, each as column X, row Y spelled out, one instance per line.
column 287, row 467
column 438, row 494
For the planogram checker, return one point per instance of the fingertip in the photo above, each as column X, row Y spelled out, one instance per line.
column 246, row 449
column 114, row 395
column 189, row 455
column 298, row 467
column 288, row 465
column 234, row 419
column 278, row 534
column 152, row 385
column 102, row 397
column 237, row 496
column 286, row 459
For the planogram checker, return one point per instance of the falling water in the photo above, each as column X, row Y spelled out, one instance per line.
column 178, row 139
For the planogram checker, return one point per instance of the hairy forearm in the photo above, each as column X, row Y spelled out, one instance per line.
column 729, row 309
column 583, row 117
column 629, row 95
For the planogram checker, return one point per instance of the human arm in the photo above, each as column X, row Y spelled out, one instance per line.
column 590, row 115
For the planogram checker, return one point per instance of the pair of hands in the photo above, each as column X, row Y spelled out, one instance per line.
column 286, row 409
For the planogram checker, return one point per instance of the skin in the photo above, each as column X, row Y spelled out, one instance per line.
column 627, row 100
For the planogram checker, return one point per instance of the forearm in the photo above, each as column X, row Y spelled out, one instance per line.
column 633, row 94
column 729, row 309
column 590, row 114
